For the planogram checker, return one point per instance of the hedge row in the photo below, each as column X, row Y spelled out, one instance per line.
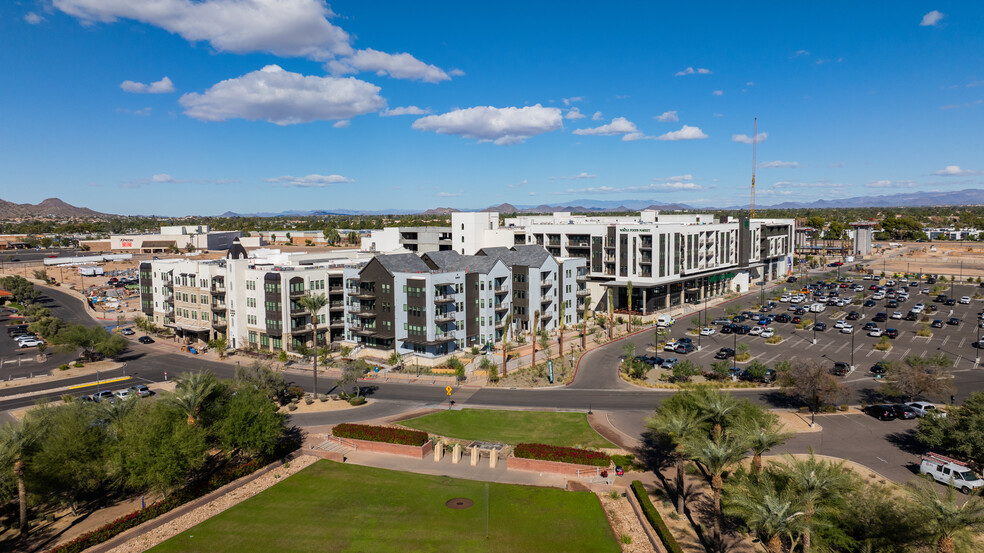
column 654, row 519
column 136, row 518
column 386, row 434
column 559, row 454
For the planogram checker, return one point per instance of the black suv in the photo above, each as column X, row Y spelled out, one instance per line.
column 937, row 323
column 953, row 321
column 840, row 369
column 782, row 318
column 820, row 327
column 880, row 317
column 724, row 353
column 892, row 332
column 853, row 316
column 879, row 368
column 881, row 412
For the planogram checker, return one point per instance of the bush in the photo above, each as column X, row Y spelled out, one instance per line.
column 560, row 454
column 385, row 434
column 292, row 407
column 358, row 400
column 308, row 401
column 774, row 339
column 884, row 344
column 652, row 515
column 63, row 367
column 743, row 356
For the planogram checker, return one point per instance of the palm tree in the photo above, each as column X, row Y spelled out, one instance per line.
column 718, row 406
column 16, row 440
column 677, row 425
column 505, row 341
column 191, row 394
column 535, row 332
column 560, row 329
column 717, row 455
column 761, row 437
column 946, row 519
column 611, row 315
column 628, row 293
column 314, row 303
column 767, row 508
column 819, row 483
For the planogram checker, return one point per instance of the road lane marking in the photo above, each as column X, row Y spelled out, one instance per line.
column 945, row 340
column 844, row 345
column 100, row 382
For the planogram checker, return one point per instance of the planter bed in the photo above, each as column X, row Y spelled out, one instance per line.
column 384, row 439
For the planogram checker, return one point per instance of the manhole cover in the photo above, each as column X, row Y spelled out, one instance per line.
column 459, row 503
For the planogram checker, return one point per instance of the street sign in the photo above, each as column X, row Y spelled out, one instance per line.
column 448, row 390
column 550, row 367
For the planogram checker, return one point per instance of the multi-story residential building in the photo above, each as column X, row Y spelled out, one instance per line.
column 412, row 239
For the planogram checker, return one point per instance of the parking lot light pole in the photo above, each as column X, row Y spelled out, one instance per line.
column 852, row 348
column 734, row 355
column 814, row 332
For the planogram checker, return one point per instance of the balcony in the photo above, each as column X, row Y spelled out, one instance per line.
column 218, row 306
column 546, row 301
column 445, row 317
column 337, row 323
column 501, row 323
column 546, row 282
column 221, row 323
column 443, row 299
column 301, row 329
column 366, row 314
column 365, row 295
column 336, row 289
column 218, row 287
column 296, row 310
column 546, row 317
column 501, row 289
column 581, row 292
column 336, row 306
column 294, row 294
column 582, row 277
column 578, row 244
column 501, row 308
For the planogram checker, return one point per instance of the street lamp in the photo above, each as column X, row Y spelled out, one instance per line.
column 814, row 332
column 734, row 355
column 852, row 346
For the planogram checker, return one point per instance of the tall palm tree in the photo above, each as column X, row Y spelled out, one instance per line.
column 717, row 455
column 535, row 332
column 677, row 425
column 314, row 303
column 505, row 341
column 944, row 516
column 560, row 328
column 820, row 484
column 761, row 437
column 16, row 440
column 611, row 315
column 191, row 394
column 768, row 508
column 718, row 406
column 628, row 293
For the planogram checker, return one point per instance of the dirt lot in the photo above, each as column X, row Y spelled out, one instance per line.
column 940, row 258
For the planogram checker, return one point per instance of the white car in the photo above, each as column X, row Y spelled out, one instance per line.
column 755, row 331
column 923, row 408
column 903, row 296
column 840, row 323
column 925, row 290
column 858, row 288
column 889, row 283
column 965, row 300
column 706, row 331
column 768, row 332
column 896, row 315
column 670, row 345
column 866, row 277
column 876, row 332
column 785, row 298
column 918, row 308
column 878, row 296
column 122, row 394
column 30, row 343
column 847, row 329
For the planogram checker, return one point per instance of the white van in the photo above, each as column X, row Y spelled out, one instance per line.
column 817, row 308
column 950, row 471
column 664, row 320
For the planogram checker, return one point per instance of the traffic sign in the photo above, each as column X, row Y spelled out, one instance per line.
column 448, row 390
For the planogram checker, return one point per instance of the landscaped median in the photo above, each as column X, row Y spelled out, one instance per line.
column 385, row 439
column 569, row 461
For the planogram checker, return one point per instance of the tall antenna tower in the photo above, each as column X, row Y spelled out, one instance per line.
column 755, row 134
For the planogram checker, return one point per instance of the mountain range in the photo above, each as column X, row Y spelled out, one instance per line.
column 51, row 207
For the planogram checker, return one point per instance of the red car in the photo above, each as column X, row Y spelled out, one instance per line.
column 796, row 320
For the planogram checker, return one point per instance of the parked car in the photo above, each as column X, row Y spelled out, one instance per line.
column 670, row 345
column 145, row 340
column 686, row 348
column 869, row 303
column 879, row 368
column 950, row 302
column 820, row 327
column 706, row 331
column 127, row 332
column 896, row 315
column 140, row 390
column 755, row 331
column 782, row 318
column 122, row 394
column 869, row 325
column 937, row 323
column 104, row 395
column 669, row 363
column 847, row 329
column 892, row 332
column 875, row 333
column 880, row 412
column 724, row 353
column 903, row 411
column 853, row 316
column 880, row 317
column 768, row 332
column 796, row 320
column 721, row 321
column 743, row 329
column 924, row 408
column 840, row 368
column 729, row 328
column 953, row 321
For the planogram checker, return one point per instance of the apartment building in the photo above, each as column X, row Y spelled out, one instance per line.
column 411, row 239
column 443, row 301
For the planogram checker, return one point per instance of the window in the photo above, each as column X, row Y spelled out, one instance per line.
column 272, row 305
column 251, row 320
column 204, row 299
column 251, row 285
column 194, row 298
column 250, row 302
column 483, row 285
column 274, row 324
column 276, row 343
column 272, row 287
column 252, row 337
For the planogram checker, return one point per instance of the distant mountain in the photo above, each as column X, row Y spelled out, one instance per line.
column 52, row 207
column 970, row 196
column 440, row 211
column 588, row 206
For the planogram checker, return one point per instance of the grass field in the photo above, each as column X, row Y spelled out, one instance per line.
column 512, row 427
column 336, row 507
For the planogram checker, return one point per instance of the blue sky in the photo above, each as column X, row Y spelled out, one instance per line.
column 179, row 107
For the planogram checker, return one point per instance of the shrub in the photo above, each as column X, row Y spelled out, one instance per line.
column 652, row 515
column 385, row 434
column 924, row 332
column 743, row 356
column 78, row 363
column 308, row 401
column 358, row 400
column 560, row 454
column 292, row 407
column 884, row 344
column 774, row 339
column 63, row 367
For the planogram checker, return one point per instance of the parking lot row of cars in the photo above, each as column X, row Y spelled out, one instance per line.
column 903, row 411
column 22, row 337
column 108, row 396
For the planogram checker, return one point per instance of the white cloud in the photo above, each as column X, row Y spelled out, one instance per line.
column 966, row 105
column 406, row 110
column 597, row 116
column 745, row 139
column 779, row 164
column 343, row 124
column 572, row 99
column 290, row 28
column 692, row 71
column 633, row 136
column 955, row 171
column 283, row 98
column 517, row 184
column 718, row 93
column 801, row 53
column 685, row 133
column 448, row 194
column 310, row 181
column 619, row 125
column 456, row 72
column 884, row 183
column 931, row 19
column 579, row 176
column 677, row 178
column 33, row 18
column 647, row 188
column 574, row 113
column 398, row 66
column 502, row 126
column 163, row 86
column 667, row 117
column 142, row 111
column 163, row 178
column 750, row 83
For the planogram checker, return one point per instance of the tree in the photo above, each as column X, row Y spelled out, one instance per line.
column 628, row 295
column 721, row 369
column 350, row 376
column 353, row 238
column 676, row 424
column 21, row 290
column 960, row 433
column 94, row 342
column 560, row 328
column 718, row 455
column 684, row 371
column 916, row 376
column 767, row 507
column 17, row 441
column 488, row 365
column 611, row 314
column 251, row 423
column 945, row 518
column 811, row 382
column 193, row 393
column 46, row 327
column 536, row 325
column 716, row 406
column 762, row 436
column 41, row 274
column 258, row 376
column 505, row 341
column 819, row 484
column 314, row 303
column 628, row 350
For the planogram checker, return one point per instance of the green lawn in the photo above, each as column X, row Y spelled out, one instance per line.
column 512, row 427
column 337, row 507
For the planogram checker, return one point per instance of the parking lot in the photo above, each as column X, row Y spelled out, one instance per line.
column 830, row 346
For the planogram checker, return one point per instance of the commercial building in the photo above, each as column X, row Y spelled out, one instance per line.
column 181, row 237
